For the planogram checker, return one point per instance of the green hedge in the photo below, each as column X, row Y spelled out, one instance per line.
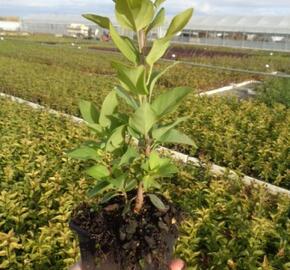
column 244, row 135
column 275, row 91
column 247, row 136
column 226, row 225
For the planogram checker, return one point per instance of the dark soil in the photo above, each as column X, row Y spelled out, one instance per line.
column 130, row 238
column 186, row 52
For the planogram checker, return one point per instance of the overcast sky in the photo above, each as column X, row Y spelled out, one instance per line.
column 28, row 8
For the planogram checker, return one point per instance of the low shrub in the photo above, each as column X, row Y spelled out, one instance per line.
column 275, row 91
column 226, row 225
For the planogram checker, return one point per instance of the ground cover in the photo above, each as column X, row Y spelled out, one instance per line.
column 247, row 136
column 226, row 225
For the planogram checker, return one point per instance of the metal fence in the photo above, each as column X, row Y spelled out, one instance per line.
column 263, row 44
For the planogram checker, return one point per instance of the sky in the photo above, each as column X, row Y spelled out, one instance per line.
column 73, row 8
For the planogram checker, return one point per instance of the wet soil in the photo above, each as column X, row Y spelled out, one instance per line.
column 130, row 238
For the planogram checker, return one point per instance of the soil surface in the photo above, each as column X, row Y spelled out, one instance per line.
column 131, row 237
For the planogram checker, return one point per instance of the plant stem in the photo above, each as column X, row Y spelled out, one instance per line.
column 140, row 198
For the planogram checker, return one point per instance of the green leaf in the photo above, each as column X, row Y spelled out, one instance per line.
column 116, row 140
column 129, row 156
column 104, row 22
column 124, row 95
column 122, row 44
column 99, row 188
column 124, row 15
column 169, row 101
column 156, row 76
column 143, row 119
column 159, row 132
column 143, row 15
column 157, row 202
column 160, row 167
column 157, row 21
column 134, row 14
column 130, row 185
column 119, row 182
column 179, row 22
column 96, row 127
column 98, row 172
column 132, row 78
column 158, row 3
column 154, row 160
column 167, row 168
column 150, row 182
column 89, row 112
column 108, row 196
column 158, row 50
column 108, row 108
column 84, row 153
column 176, row 137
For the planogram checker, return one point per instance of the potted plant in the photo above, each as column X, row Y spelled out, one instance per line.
column 129, row 225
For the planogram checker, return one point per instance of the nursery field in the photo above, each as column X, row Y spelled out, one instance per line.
column 249, row 136
column 225, row 226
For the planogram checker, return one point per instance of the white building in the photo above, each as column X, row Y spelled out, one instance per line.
column 79, row 30
column 10, row 24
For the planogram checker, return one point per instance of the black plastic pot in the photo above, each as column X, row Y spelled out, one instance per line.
column 88, row 252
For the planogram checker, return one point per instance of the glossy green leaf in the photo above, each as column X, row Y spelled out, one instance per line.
column 129, row 156
column 119, row 182
column 150, row 182
column 176, row 137
column 89, row 112
column 143, row 119
column 169, row 101
column 157, row 202
column 98, row 172
column 158, row 20
column 154, row 160
column 99, row 188
column 134, row 14
column 104, row 22
column 130, row 185
column 122, row 44
column 158, row 50
column 116, row 139
column 108, row 108
column 109, row 196
column 84, row 153
column 124, row 14
column 132, row 79
column 143, row 16
column 157, row 75
column 160, row 131
column 179, row 22
column 126, row 97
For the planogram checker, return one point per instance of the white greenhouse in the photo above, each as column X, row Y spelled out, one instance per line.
column 257, row 32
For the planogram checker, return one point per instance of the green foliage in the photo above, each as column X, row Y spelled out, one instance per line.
column 247, row 136
column 226, row 224
column 118, row 130
column 275, row 91
column 230, row 226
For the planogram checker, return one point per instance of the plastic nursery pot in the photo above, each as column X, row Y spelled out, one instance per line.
column 88, row 253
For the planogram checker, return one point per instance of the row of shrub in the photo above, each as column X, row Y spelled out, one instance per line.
column 226, row 225
column 266, row 61
column 248, row 136
column 92, row 62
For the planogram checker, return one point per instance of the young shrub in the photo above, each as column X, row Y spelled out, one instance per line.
column 125, row 155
